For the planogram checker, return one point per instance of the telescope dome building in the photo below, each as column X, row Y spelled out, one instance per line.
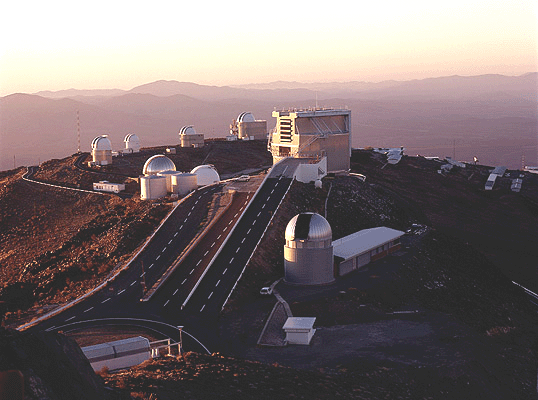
column 308, row 252
column 158, row 163
column 101, row 150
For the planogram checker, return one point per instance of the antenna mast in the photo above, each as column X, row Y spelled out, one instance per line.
column 78, row 134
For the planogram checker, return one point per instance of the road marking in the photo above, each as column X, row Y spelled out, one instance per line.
column 243, row 241
column 253, row 222
column 121, row 291
column 184, row 280
column 229, row 223
column 258, row 214
column 104, row 301
column 231, row 260
column 191, row 271
column 241, row 209
column 210, row 294
column 249, row 229
column 89, row 309
column 217, row 284
column 189, row 214
column 263, row 205
column 163, row 249
column 143, row 273
column 205, row 254
column 272, row 191
column 196, row 202
column 218, row 237
column 213, row 244
column 224, row 230
column 69, row 319
column 170, row 241
column 156, row 258
column 225, row 269
column 180, row 228
column 201, row 309
column 198, row 263
column 151, row 266
column 132, row 283
column 239, row 248
column 175, row 292
column 175, row 234
column 192, row 208
column 185, row 220
column 235, row 215
column 166, row 303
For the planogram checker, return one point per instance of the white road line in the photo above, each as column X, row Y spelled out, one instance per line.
column 205, row 254
column 104, row 301
column 143, row 273
column 189, row 214
column 185, row 220
column 213, row 244
column 164, row 248
column 132, row 283
column 243, row 241
column 121, row 291
column 231, row 260
column 196, row 202
column 253, row 222
column 217, row 284
column 241, row 209
column 89, row 309
column 198, row 263
column 249, row 229
column 191, row 271
column 180, row 227
column 69, row 319
column 201, row 309
column 235, row 215
column 151, row 266
column 175, row 234
column 258, row 214
column 192, row 208
column 210, row 294
column 229, row 223
column 184, row 280
column 272, row 191
column 224, row 230
column 166, row 303
column 263, row 205
column 156, row 258
column 218, row 237
column 175, row 292
column 225, row 269
column 239, row 248
column 170, row 241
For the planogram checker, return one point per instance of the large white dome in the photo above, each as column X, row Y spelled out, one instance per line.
column 207, row 174
column 308, row 226
column 187, row 130
column 246, row 117
column 101, row 143
column 158, row 163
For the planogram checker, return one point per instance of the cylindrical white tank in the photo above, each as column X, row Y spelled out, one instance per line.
column 168, row 175
column 183, row 184
column 152, row 187
column 207, row 174
column 308, row 252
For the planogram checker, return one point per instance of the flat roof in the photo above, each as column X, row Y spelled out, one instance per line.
column 299, row 323
column 364, row 240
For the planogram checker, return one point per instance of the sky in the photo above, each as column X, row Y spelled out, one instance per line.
column 57, row 45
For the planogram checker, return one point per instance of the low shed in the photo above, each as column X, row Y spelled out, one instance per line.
column 299, row 330
column 358, row 249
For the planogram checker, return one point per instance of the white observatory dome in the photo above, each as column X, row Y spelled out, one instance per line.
column 187, row 130
column 207, row 174
column 246, row 117
column 158, row 163
column 308, row 226
column 101, row 143
column 132, row 142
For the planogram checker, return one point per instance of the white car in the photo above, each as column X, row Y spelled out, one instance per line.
column 243, row 178
column 266, row 291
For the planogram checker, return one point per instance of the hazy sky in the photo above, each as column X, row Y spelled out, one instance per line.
column 54, row 45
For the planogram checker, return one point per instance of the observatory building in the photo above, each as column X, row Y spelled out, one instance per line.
column 314, row 133
column 153, row 185
column 101, row 151
column 246, row 127
column 158, row 163
column 207, row 174
column 308, row 252
column 189, row 138
column 132, row 143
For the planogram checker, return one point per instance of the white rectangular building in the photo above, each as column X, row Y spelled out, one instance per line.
column 358, row 249
column 106, row 186
column 299, row 330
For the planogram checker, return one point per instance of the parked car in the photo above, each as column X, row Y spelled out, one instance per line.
column 266, row 291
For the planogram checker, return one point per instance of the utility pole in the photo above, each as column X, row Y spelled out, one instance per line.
column 78, row 133
column 180, row 347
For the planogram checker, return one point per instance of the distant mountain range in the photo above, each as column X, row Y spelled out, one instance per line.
column 494, row 117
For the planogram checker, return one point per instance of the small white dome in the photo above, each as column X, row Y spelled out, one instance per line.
column 187, row 130
column 207, row 174
column 158, row 163
column 101, row 143
column 308, row 226
column 131, row 138
column 246, row 117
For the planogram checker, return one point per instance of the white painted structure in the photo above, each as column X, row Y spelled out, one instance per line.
column 132, row 143
column 101, row 150
column 158, row 163
column 189, row 138
column 490, row 182
column 246, row 127
column 299, row 330
column 152, row 187
column 311, row 172
column 358, row 249
column 168, row 175
column 106, row 186
column 119, row 354
column 184, row 183
column 207, row 174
